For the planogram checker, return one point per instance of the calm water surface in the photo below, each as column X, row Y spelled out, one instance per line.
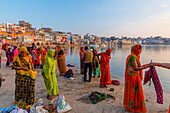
column 156, row 53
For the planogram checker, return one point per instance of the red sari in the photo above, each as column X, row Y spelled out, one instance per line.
column 81, row 61
column 133, row 92
column 105, row 69
column 38, row 53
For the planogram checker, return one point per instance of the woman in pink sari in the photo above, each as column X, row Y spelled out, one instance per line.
column 15, row 52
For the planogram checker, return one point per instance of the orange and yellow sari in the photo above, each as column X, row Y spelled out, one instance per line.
column 61, row 61
column 133, row 91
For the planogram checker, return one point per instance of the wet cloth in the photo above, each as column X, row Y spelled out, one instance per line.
column 133, row 91
column 24, row 81
column 105, row 69
column 151, row 73
column 48, row 73
column 95, row 97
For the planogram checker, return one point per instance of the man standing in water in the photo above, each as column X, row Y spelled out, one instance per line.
column 88, row 55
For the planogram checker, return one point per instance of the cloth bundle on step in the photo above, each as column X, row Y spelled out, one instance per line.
column 95, row 97
column 115, row 82
column 151, row 73
column 69, row 73
column 69, row 65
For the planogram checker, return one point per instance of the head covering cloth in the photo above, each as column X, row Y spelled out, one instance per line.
column 23, row 49
column 136, row 49
column 82, row 49
column 109, row 51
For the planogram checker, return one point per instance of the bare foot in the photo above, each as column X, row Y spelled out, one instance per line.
column 105, row 86
column 56, row 95
column 102, row 86
column 49, row 97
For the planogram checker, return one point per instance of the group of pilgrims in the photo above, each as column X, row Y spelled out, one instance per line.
column 25, row 61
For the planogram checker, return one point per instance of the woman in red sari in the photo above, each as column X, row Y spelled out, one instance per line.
column 133, row 92
column 81, row 60
column 38, row 55
column 105, row 69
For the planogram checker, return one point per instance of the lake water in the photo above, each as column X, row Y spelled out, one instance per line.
column 156, row 53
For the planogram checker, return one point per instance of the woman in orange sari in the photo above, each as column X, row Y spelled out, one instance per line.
column 81, row 60
column 133, row 91
column 105, row 68
column 61, row 61
column 43, row 56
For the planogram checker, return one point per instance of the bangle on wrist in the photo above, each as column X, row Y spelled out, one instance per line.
column 145, row 67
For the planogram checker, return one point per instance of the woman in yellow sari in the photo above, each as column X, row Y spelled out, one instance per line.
column 61, row 61
column 24, row 80
column 133, row 91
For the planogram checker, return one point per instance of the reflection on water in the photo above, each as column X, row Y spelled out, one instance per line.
column 156, row 53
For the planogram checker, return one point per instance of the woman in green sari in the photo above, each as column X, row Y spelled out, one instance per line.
column 48, row 73
column 96, row 65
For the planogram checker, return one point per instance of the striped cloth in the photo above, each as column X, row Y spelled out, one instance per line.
column 151, row 73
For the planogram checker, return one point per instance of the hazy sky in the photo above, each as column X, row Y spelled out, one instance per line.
column 99, row 17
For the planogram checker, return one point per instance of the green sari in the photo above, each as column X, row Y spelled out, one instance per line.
column 49, row 75
column 96, row 67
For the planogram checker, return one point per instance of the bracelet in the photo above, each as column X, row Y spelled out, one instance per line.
column 145, row 67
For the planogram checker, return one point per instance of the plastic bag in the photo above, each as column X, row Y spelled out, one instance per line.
column 17, row 110
column 61, row 105
column 7, row 110
column 40, row 109
column 33, row 107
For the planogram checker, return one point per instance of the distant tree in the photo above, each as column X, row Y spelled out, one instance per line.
column 113, row 38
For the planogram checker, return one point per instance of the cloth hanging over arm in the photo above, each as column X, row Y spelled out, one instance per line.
column 151, row 73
